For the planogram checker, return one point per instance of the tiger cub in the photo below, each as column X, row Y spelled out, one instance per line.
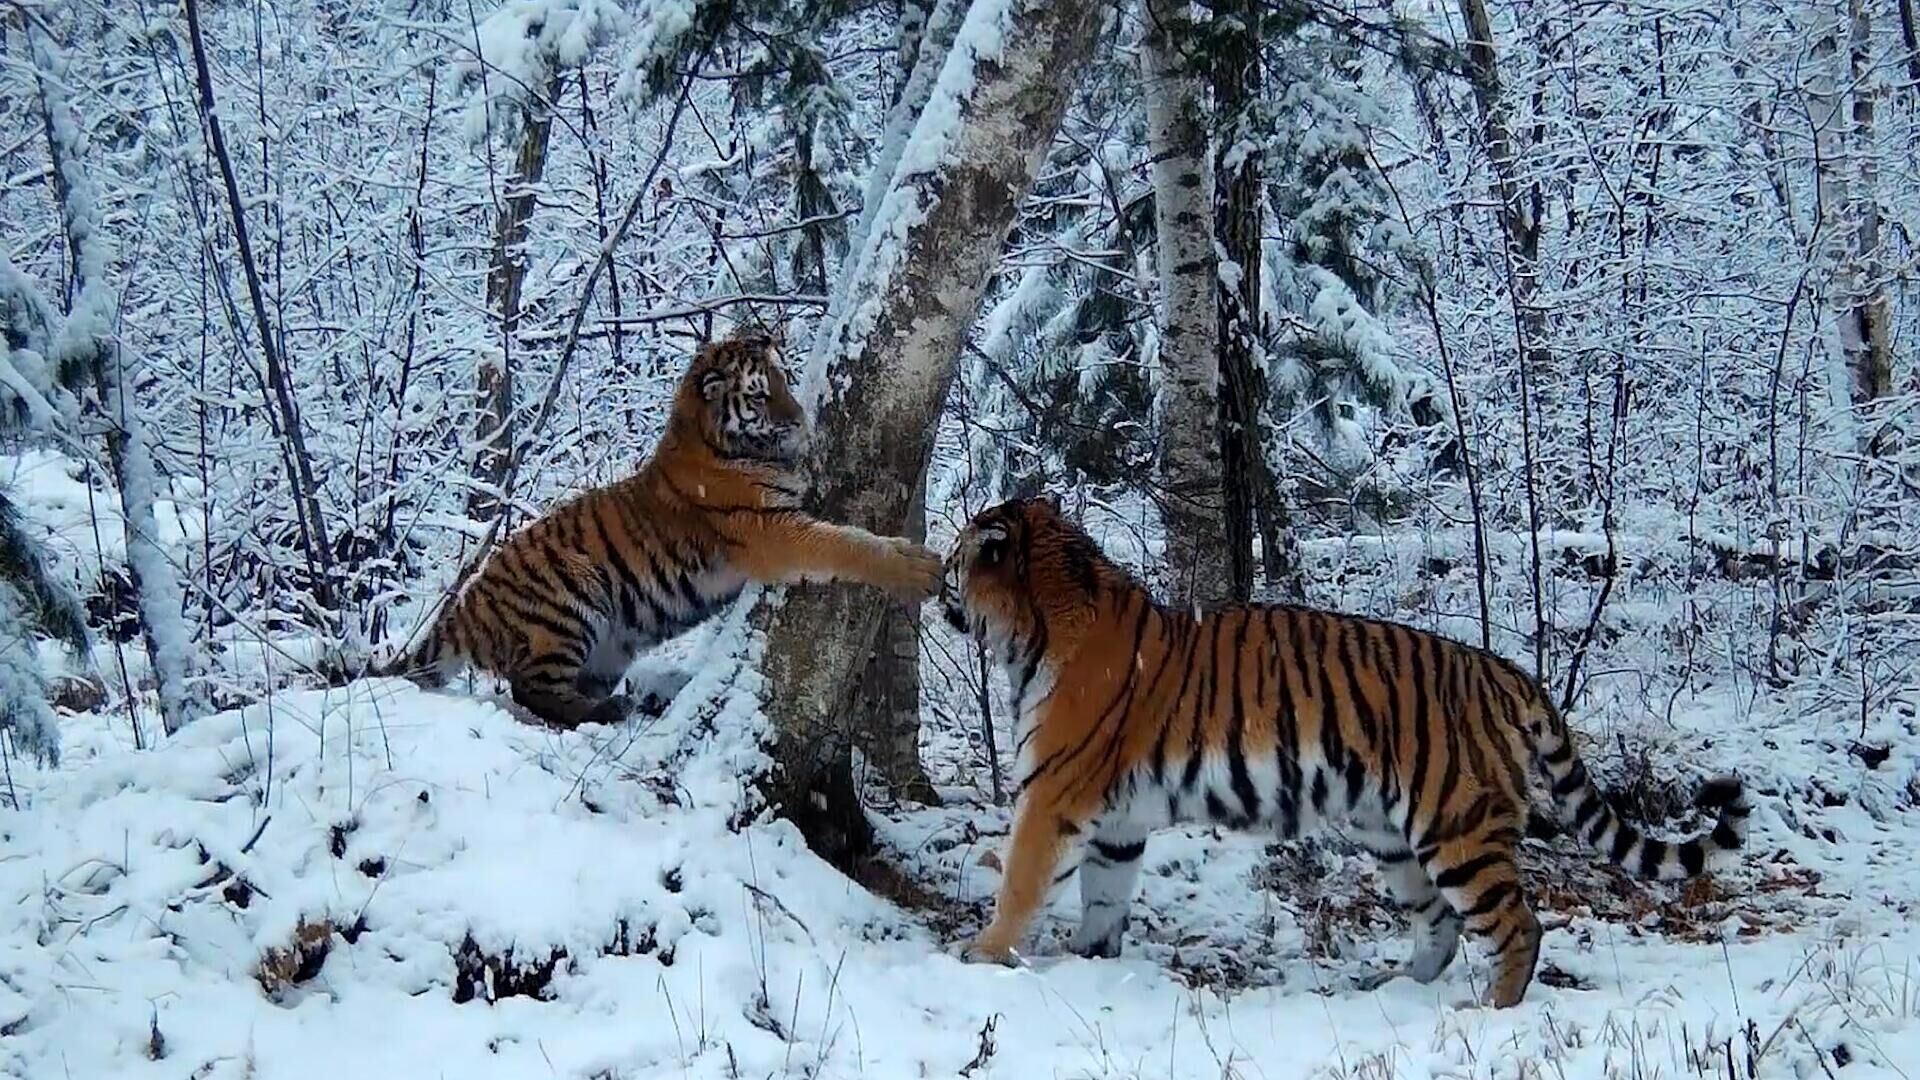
column 562, row 607
column 1132, row 715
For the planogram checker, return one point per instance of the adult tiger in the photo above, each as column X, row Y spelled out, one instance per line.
column 1132, row 715
column 562, row 607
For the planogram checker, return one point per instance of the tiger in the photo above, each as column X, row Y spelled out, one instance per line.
column 563, row 607
column 1131, row 715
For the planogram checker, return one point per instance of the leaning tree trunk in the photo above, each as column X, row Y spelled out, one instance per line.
column 885, row 712
column 506, row 274
column 886, row 364
column 91, row 340
column 1191, row 487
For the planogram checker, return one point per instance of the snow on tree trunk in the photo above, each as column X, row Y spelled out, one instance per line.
column 90, row 337
column 1869, row 311
column 885, row 711
column 1519, row 209
column 1248, row 490
column 1850, row 222
column 886, row 705
column 884, row 367
column 506, row 274
column 522, row 53
column 1191, row 488
column 933, row 42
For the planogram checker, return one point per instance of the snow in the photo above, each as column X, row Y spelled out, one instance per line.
column 524, row 44
column 1679, row 208
column 908, row 198
column 415, row 822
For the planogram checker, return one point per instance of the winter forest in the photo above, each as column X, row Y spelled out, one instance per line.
column 1581, row 331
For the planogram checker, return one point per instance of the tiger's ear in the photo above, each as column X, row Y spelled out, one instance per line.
column 993, row 545
column 713, row 384
column 1048, row 500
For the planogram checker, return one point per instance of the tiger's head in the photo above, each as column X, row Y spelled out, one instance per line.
column 745, row 407
column 1019, row 568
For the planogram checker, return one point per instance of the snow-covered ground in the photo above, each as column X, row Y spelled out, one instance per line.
column 382, row 882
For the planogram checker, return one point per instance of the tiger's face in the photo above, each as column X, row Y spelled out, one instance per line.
column 750, row 410
column 985, row 590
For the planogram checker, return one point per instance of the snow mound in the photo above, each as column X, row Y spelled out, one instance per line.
column 385, row 882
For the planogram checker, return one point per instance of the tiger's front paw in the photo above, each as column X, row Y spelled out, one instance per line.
column 980, row 951
column 916, row 573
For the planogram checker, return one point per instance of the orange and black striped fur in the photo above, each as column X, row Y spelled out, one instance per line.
column 562, row 607
column 1132, row 715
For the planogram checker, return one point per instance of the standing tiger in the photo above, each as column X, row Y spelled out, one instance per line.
column 562, row 607
column 1131, row 715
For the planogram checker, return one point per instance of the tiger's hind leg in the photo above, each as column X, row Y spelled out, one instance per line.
column 563, row 687
column 556, row 698
column 1108, row 876
column 1478, row 877
column 1435, row 925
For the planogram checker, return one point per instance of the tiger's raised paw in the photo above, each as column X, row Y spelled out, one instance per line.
column 918, row 571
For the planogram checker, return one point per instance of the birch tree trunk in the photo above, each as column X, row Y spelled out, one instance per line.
column 1840, row 107
column 1192, row 489
column 1871, row 310
column 885, row 365
column 506, row 274
column 1520, row 203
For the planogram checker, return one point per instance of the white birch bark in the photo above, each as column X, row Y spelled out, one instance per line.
column 1871, row 310
column 884, row 367
column 1840, row 108
column 1192, row 490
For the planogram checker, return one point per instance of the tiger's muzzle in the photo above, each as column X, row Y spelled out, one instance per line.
column 952, row 594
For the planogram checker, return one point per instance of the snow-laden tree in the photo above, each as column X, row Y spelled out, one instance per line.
column 1331, row 282
column 883, row 369
column 34, row 600
column 523, row 53
column 89, row 340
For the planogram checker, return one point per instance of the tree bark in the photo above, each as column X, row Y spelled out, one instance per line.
column 885, row 712
column 1192, row 490
column 1520, row 204
column 885, row 367
column 1871, row 311
column 1250, row 494
column 886, row 705
column 1519, row 218
column 506, row 274
column 1910, row 38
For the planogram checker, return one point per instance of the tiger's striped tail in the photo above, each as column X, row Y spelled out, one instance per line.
column 1582, row 808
